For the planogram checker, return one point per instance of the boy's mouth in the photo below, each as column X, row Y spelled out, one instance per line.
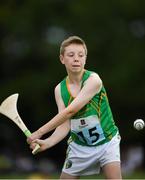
column 75, row 65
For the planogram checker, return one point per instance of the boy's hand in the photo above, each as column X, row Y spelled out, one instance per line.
column 42, row 143
column 35, row 135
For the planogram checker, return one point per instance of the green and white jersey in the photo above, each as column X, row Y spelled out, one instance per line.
column 93, row 124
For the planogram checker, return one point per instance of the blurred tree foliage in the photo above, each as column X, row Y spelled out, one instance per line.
column 31, row 33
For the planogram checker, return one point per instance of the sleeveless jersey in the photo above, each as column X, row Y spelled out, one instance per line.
column 93, row 124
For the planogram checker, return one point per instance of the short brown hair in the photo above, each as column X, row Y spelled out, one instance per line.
column 72, row 40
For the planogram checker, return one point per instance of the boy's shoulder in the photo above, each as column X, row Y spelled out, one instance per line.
column 61, row 83
column 89, row 73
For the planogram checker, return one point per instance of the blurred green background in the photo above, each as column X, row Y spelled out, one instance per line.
column 30, row 35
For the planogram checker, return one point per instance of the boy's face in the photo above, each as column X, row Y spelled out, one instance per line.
column 74, row 58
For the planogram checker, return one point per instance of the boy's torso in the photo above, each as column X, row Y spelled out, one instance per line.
column 94, row 123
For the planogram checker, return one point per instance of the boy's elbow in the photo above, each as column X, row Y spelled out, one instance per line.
column 71, row 112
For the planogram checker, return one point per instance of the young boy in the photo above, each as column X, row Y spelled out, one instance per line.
column 84, row 111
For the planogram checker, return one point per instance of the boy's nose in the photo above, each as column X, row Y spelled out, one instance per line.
column 76, row 59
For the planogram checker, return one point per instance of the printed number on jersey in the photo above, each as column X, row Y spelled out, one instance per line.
column 88, row 130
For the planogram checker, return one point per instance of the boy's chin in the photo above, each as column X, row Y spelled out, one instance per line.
column 77, row 70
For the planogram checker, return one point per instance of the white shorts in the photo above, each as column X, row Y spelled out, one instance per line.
column 86, row 160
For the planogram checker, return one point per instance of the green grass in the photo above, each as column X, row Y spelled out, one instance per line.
column 135, row 175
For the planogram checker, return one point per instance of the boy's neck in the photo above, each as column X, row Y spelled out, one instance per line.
column 75, row 78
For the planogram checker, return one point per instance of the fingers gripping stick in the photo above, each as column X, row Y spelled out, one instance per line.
column 9, row 109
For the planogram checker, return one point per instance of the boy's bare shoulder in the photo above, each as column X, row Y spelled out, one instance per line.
column 95, row 75
column 57, row 88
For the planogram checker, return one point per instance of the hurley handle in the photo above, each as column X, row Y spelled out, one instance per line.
column 37, row 147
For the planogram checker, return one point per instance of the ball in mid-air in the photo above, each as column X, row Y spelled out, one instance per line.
column 139, row 124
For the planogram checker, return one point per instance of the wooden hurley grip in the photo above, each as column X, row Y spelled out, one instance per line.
column 37, row 147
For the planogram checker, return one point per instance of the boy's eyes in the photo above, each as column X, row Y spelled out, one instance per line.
column 72, row 54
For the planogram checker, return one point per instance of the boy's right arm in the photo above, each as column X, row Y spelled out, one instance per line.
column 60, row 132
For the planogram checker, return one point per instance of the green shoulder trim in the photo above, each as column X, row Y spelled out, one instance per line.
column 66, row 97
column 86, row 76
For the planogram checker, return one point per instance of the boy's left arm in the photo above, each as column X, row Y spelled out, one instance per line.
column 91, row 87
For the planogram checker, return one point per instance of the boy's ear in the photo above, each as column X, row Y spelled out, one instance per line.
column 61, row 58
